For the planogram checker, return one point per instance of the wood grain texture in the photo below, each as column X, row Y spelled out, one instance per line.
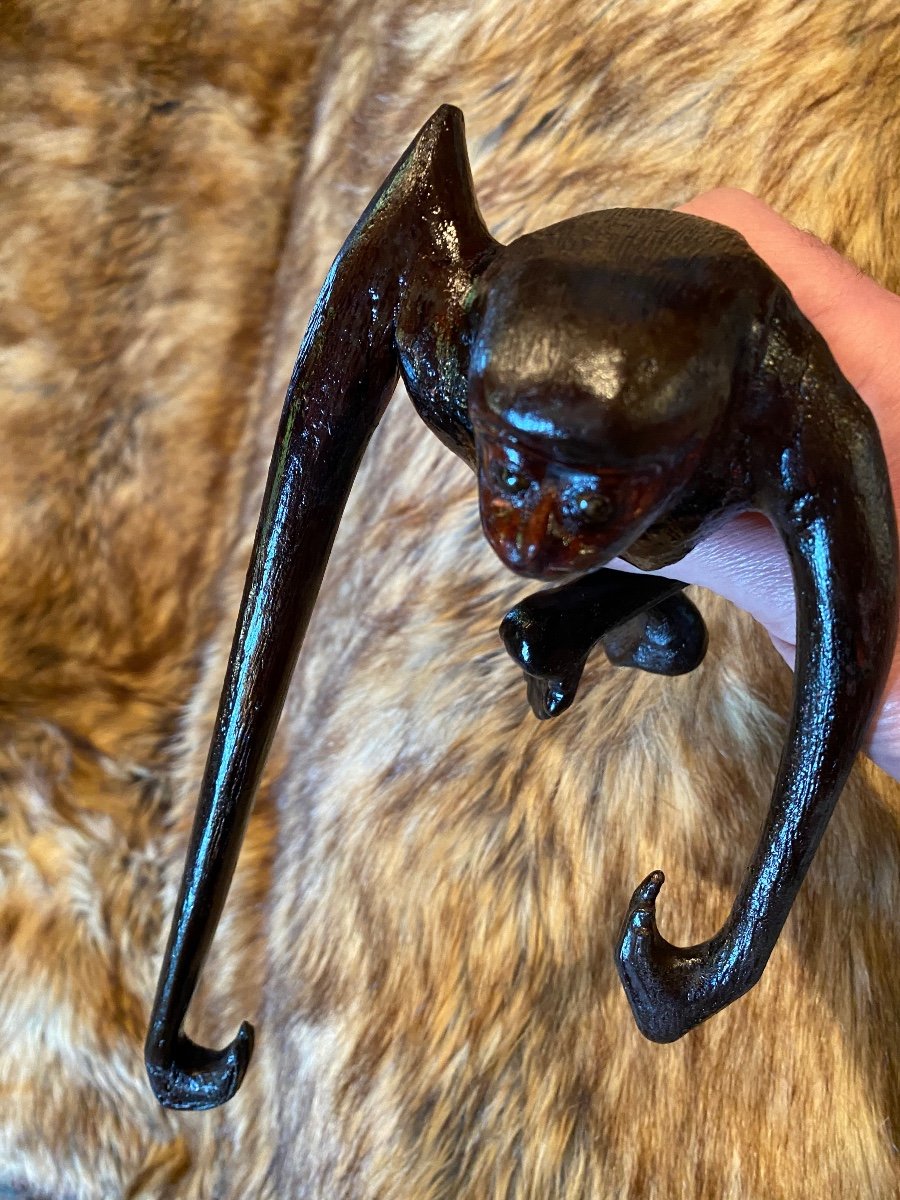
column 422, row 921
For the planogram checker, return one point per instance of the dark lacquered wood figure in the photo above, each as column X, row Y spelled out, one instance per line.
column 621, row 383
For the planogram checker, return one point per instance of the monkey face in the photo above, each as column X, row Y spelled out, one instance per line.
column 545, row 518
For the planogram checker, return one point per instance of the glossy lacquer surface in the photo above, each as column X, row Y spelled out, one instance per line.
column 620, row 382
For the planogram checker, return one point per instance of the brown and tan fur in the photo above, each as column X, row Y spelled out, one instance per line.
column 422, row 920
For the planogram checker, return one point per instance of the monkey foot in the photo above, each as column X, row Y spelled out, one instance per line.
column 668, row 639
column 549, row 696
column 539, row 641
column 671, row 990
column 195, row 1078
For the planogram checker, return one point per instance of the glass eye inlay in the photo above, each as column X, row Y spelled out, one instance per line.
column 509, row 477
column 593, row 507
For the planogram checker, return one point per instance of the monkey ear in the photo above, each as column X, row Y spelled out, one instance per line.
column 344, row 376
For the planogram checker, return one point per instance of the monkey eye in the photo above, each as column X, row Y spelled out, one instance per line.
column 592, row 507
column 507, row 478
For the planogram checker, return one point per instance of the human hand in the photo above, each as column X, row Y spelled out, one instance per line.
column 746, row 561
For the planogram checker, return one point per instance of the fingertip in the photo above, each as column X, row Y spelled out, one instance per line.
column 817, row 275
column 740, row 204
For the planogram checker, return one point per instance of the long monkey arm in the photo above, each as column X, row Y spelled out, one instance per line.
column 829, row 496
column 344, row 376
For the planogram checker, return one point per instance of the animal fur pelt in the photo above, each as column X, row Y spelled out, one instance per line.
column 422, row 920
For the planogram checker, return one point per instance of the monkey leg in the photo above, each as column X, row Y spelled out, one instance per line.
column 642, row 621
column 668, row 639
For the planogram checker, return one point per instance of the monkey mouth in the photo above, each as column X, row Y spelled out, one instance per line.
column 533, row 563
column 531, row 549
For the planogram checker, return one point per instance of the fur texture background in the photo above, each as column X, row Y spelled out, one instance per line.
column 422, row 920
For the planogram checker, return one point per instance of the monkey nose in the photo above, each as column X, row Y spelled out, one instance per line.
column 536, row 533
column 528, row 541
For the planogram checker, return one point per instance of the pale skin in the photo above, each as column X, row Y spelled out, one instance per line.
column 746, row 561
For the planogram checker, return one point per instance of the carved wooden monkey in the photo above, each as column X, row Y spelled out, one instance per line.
column 622, row 383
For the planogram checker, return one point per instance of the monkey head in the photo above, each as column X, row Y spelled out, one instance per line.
column 593, row 394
